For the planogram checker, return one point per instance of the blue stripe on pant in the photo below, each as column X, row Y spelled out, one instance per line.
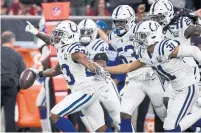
column 74, row 103
column 186, row 104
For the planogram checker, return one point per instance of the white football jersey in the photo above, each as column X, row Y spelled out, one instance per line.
column 176, row 31
column 175, row 70
column 73, row 72
column 96, row 46
column 126, row 52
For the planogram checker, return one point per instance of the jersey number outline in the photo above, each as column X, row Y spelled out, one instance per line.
column 67, row 74
column 170, row 46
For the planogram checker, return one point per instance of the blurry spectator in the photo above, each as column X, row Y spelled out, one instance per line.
column 4, row 9
column 12, row 65
column 79, row 7
column 133, row 3
column 99, row 9
column 15, row 8
column 140, row 12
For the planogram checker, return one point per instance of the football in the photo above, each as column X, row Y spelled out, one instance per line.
column 27, row 79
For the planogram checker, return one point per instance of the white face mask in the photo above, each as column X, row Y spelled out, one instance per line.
column 85, row 40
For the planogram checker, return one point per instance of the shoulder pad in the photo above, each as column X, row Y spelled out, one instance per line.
column 76, row 47
column 166, row 47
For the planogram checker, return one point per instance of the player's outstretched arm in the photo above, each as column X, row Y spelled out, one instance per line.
column 187, row 51
column 82, row 59
column 125, row 68
column 51, row 72
column 31, row 29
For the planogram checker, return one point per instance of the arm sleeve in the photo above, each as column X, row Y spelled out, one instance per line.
column 190, row 51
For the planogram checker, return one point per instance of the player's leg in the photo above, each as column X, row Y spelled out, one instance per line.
column 93, row 118
column 41, row 104
column 110, row 99
column 178, row 118
column 155, row 92
column 131, row 99
column 74, row 102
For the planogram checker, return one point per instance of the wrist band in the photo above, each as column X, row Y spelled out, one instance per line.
column 40, row 74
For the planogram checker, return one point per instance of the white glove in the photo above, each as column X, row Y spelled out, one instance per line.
column 35, row 71
column 31, row 29
column 101, row 72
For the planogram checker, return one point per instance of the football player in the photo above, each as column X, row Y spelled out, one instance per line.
column 97, row 50
column 166, row 57
column 72, row 64
column 141, row 82
column 181, row 27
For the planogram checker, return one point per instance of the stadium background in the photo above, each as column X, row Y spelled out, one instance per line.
column 26, row 112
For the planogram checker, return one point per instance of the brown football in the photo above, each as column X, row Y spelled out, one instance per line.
column 27, row 79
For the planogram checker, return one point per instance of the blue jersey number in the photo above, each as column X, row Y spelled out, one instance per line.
column 126, row 48
column 67, row 74
column 164, row 74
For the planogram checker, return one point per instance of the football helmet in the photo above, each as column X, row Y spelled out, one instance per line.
column 65, row 33
column 88, row 31
column 162, row 11
column 147, row 33
column 123, row 18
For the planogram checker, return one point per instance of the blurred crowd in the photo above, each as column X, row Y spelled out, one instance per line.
column 88, row 7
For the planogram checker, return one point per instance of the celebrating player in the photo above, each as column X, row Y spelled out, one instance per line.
column 165, row 56
column 181, row 27
column 72, row 64
column 107, row 92
column 141, row 82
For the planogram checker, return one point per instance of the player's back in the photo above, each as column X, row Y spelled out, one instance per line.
column 96, row 46
column 127, row 53
column 73, row 72
column 175, row 70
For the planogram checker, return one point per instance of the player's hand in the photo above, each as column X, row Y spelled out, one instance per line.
column 35, row 71
column 100, row 70
column 31, row 29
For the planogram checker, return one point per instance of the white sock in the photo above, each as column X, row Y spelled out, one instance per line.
column 189, row 120
column 45, row 123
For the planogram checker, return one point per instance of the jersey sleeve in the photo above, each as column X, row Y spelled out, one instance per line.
column 76, row 47
column 166, row 47
column 100, row 46
column 185, row 22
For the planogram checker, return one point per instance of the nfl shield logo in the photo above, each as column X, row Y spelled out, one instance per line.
column 56, row 11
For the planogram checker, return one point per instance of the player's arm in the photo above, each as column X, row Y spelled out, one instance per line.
column 31, row 29
column 46, row 38
column 187, row 51
column 51, row 72
column 82, row 59
column 192, row 30
column 125, row 68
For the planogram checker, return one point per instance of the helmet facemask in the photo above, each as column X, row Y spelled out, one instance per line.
column 60, row 37
column 123, row 25
column 141, row 39
column 86, row 36
column 160, row 18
